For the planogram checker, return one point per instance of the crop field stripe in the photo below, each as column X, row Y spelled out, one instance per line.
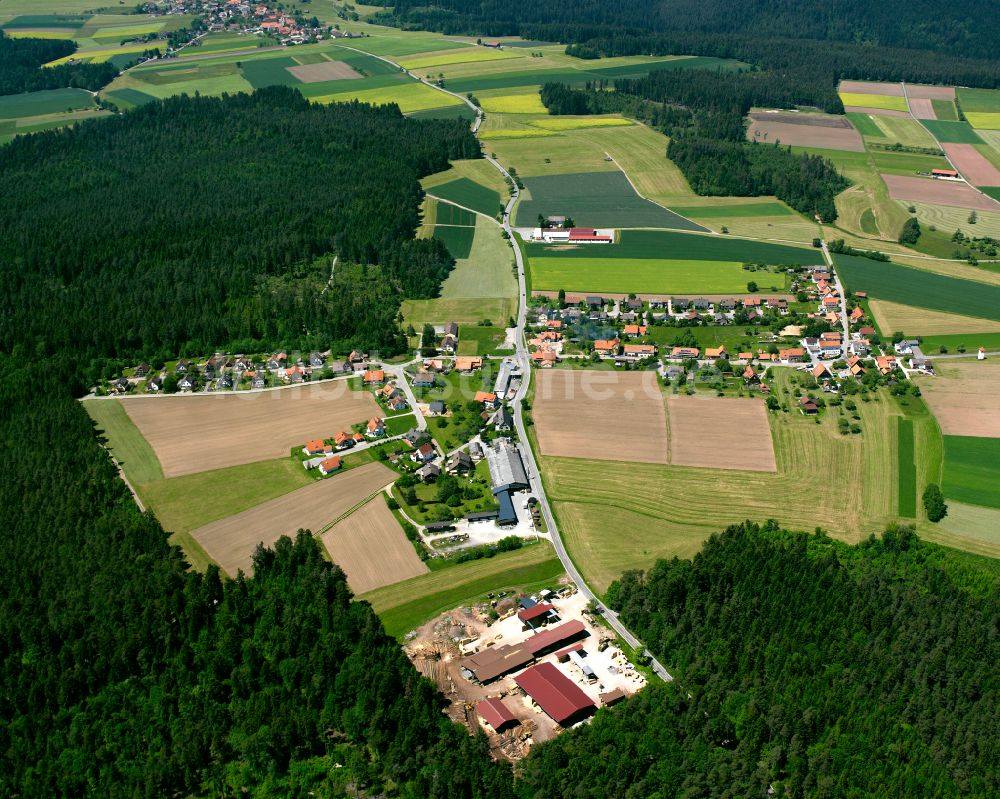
column 984, row 120
column 625, row 275
column 573, row 123
column 270, row 72
column 50, row 101
column 908, row 286
column 907, row 469
column 132, row 451
column 468, row 194
column 448, row 214
column 133, row 97
column 737, row 210
column 952, row 132
column 979, row 100
column 881, row 101
column 457, row 239
column 865, row 125
column 972, row 470
column 669, row 245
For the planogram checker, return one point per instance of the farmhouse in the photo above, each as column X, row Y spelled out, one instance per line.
column 636, row 351
column 555, row 693
column 467, row 364
column 716, row 352
column 792, row 355
column 606, row 346
column 685, row 352
column 750, row 376
column 508, row 370
column 329, row 465
column 573, row 235
column 944, row 173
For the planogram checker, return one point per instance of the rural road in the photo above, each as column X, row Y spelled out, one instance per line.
column 840, row 291
column 524, row 364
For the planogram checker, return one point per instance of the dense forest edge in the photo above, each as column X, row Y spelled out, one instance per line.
column 21, row 67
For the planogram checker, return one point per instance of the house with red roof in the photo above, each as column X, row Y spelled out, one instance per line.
column 558, row 696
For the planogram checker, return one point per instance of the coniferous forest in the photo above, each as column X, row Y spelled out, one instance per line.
column 21, row 67
column 201, row 222
column 803, row 666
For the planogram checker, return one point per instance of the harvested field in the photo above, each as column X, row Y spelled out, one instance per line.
column 879, row 112
column 720, row 433
column 614, row 416
column 973, row 165
column 922, row 109
column 965, row 397
column 196, row 433
column 919, row 92
column 942, row 192
column 231, row 542
column 324, row 70
column 892, row 316
column 806, row 130
column 369, row 545
column 864, row 87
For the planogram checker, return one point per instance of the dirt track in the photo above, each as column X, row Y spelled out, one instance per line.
column 195, row 433
column 231, row 542
column 370, row 547
column 940, row 192
column 613, row 416
column 720, row 433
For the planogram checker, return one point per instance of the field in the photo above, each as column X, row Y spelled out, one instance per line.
column 952, row 132
column 965, row 397
column 907, row 469
column 197, row 433
column 907, row 132
column 408, row 96
column 594, row 199
column 32, row 104
column 231, row 541
column 915, row 287
column 948, row 219
column 458, row 240
column 183, row 504
column 866, row 87
column 893, row 163
column 613, row 519
column 979, row 100
column 468, row 194
column 447, row 214
column 922, row 109
column 972, row 470
column 974, row 167
column 457, row 55
column 721, row 433
column 984, row 121
column 971, row 342
column 513, row 104
column 669, row 245
column 808, row 130
column 369, row 545
column 131, row 450
column 892, row 316
column 608, row 416
column 641, row 276
column 739, row 208
column 944, row 192
column 406, row 605
column 562, row 123
column 945, row 109
column 874, row 101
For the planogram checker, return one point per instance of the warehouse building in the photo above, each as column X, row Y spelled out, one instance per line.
column 555, row 694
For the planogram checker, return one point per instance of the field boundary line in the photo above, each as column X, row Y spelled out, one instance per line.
column 350, row 511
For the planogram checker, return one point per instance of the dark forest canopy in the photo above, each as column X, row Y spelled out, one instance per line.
column 965, row 28
column 815, row 668
column 198, row 222
column 21, row 67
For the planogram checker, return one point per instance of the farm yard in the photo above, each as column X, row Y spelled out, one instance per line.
column 720, row 433
column 807, row 130
column 916, row 287
column 965, row 397
column 197, row 433
column 608, row 416
column 231, row 541
column 369, row 545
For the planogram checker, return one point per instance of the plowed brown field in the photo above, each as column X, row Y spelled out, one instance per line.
column 720, row 433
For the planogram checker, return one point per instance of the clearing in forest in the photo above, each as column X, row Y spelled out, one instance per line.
column 195, row 433
column 608, row 416
column 807, row 130
column 369, row 545
column 231, row 541
column 720, row 433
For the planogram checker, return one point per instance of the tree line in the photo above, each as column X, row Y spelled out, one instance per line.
column 804, row 667
column 21, row 67
column 205, row 222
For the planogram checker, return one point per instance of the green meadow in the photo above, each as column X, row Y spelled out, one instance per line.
column 949, row 132
column 907, row 469
column 468, row 194
column 645, row 276
column 972, row 470
column 52, row 101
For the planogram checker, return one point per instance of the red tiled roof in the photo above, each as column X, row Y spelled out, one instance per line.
column 495, row 713
column 553, row 692
column 541, row 609
column 554, row 636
